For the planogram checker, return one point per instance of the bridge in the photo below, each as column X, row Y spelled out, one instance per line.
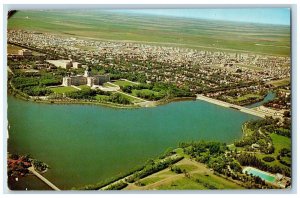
column 31, row 169
column 237, row 107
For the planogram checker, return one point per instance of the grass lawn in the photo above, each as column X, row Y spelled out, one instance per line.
column 187, row 167
column 211, row 180
column 63, row 89
column 279, row 142
column 131, row 99
column 198, row 181
column 245, row 97
column 281, row 82
column 108, row 85
column 123, row 83
column 181, row 183
column 180, row 152
column 102, row 97
column 232, row 147
column 200, row 178
column 84, row 87
column 149, row 180
column 145, row 92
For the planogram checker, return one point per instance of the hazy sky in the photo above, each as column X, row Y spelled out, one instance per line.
column 253, row 15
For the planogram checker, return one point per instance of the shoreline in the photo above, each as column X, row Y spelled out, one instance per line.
column 157, row 103
column 17, row 94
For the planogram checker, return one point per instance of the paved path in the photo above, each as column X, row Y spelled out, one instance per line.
column 132, row 96
column 128, row 94
column 8, row 69
column 242, row 109
column 113, row 84
column 130, row 81
column 76, row 87
column 31, row 169
column 124, row 179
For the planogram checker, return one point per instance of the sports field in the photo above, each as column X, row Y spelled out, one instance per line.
column 181, row 32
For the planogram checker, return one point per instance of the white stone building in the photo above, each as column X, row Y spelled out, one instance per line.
column 86, row 79
column 66, row 64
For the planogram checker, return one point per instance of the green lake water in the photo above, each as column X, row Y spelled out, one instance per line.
column 269, row 97
column 84, row 144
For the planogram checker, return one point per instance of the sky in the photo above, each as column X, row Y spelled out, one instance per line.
column 280, row 16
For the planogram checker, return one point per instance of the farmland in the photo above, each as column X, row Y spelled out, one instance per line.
column 187, row 33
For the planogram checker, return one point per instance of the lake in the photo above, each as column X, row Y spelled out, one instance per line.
column 84, row 144
column 269, row 97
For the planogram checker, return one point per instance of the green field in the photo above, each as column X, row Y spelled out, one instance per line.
column 187, row 167
column 245, row 97
column 61, row 90
column 144, row 92
column 102, row 97
column 131, row 99
column 123, row 83
column 199, row 181
column 108, row 85
column 180, row 32
column 84, row 87
column 279, row 142
column 149, row 180
column 281, row 82
column 198, row 177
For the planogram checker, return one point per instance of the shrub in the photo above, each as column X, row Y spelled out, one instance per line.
column 118, row 186
column 176, row 169
column 268, row 159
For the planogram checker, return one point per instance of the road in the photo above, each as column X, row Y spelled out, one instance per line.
column 8, row 69
column 237, row 107
column 31, row 169
column 130, row 81
column 76, row 87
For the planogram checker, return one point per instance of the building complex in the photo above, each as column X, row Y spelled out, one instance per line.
column 86, row 79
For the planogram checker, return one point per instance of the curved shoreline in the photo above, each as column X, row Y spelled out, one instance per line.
column 16, row 94
column 91, row 103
